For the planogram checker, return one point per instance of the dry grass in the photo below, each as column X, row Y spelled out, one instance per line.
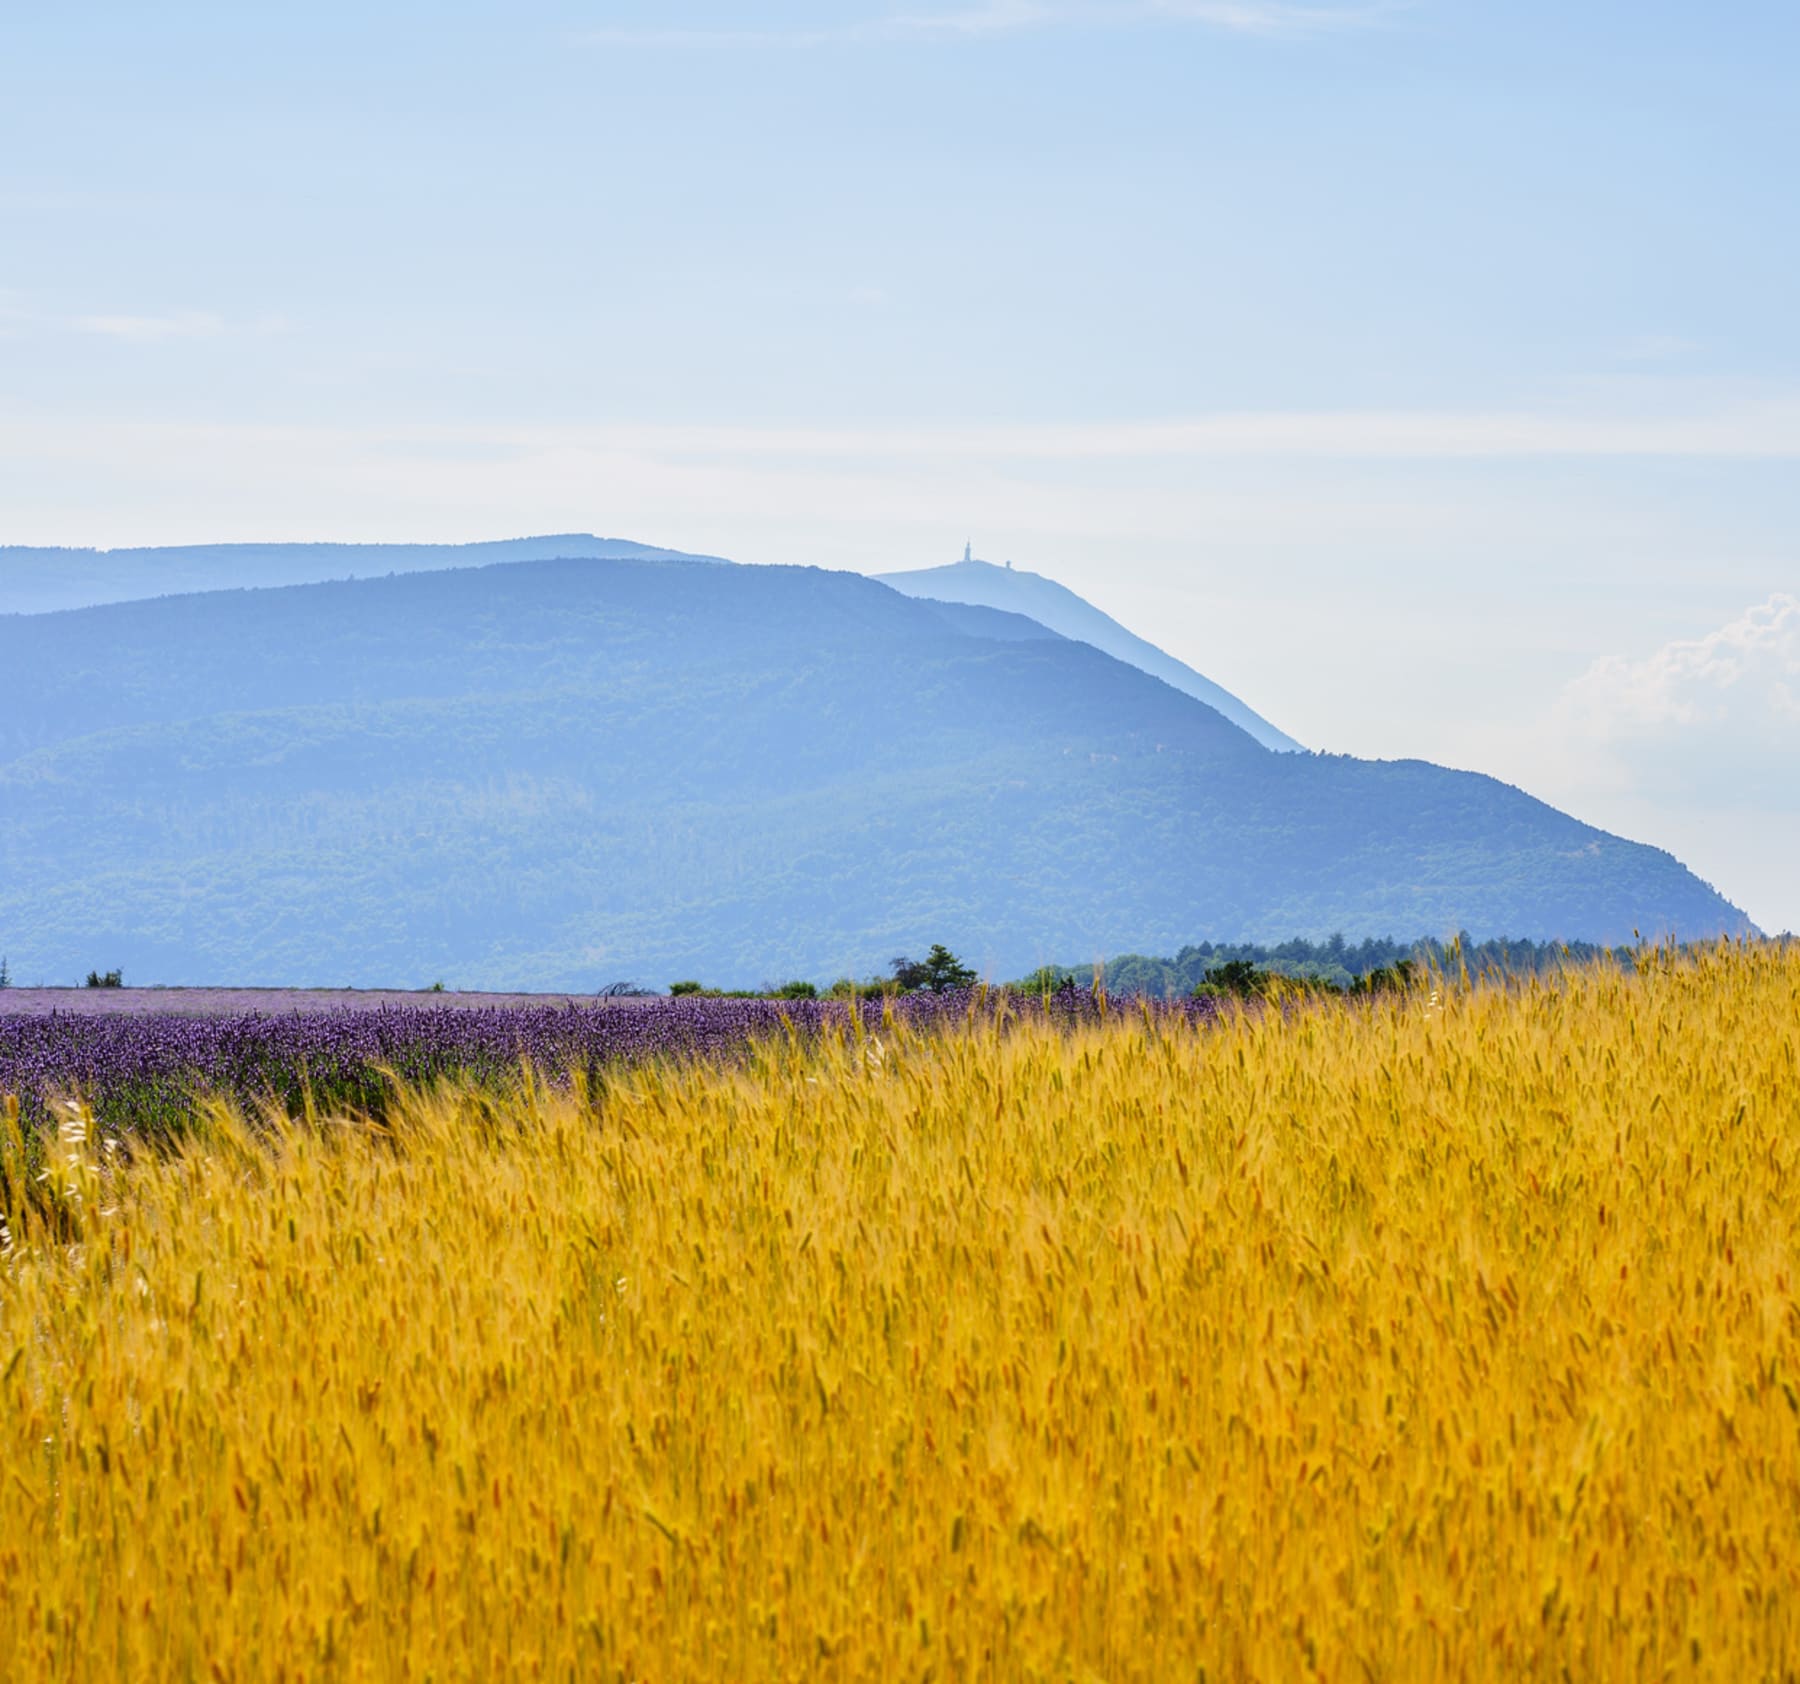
column 1408, row 1342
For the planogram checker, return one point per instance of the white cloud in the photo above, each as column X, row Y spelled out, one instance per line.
column 995, row 17
column 1656, row 348
column 1041, row 451
column 1752, row 432
column 183, row 324
column 627, row 36
column 1713, row 719
column 1008, row 17
column 148, row 330
column 1263, row 17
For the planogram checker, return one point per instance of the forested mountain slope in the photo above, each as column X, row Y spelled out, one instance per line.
column 558, row 773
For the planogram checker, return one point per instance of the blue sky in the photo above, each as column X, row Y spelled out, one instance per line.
column 1427, row 373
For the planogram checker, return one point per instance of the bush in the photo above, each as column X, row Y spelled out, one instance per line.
column 1236, row 979
column 1240, row 979
column 1046, row 979
column 1389, row 979
column 848, row 988
column 112, row 979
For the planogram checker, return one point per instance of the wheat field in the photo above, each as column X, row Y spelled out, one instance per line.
column 1452, row 1336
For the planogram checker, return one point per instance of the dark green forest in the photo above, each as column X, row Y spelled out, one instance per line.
column 1341, row 963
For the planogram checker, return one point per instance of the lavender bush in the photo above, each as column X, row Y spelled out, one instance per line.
column 141, row 1072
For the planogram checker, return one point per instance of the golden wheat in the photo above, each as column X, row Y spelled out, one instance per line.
column 1423, row 1340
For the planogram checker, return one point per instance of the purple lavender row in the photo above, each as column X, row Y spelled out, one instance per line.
column 141, row 1072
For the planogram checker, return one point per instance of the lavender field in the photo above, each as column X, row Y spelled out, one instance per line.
column 227, row 1002
column 141, row 1059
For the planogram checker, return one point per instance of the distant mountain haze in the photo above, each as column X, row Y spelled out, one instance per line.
column 40, row 580
column 555, row 774
column 1060, row 609
column 37, row 580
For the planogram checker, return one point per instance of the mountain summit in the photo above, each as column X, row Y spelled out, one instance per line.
column 1062, row 611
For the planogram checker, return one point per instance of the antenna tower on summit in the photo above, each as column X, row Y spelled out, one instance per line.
column 969, row 551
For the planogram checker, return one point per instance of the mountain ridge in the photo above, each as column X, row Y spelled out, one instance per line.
column 553, row 774
column 39, row 579
column 1055, row 606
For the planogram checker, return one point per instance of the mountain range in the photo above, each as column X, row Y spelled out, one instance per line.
column 561, row 772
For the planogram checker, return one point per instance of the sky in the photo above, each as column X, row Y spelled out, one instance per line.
column 1426, row 373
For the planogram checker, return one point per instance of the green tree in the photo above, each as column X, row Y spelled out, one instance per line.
column 937, row 973
column 1387, row 979
column 1236, row 977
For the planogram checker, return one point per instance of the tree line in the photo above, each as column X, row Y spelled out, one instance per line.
column 1221, row 968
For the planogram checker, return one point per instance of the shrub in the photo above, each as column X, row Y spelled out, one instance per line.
column 1388, row 979
column 1236, row 979
column 848, row 988
column 1046, row 979
column 1240, row 979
